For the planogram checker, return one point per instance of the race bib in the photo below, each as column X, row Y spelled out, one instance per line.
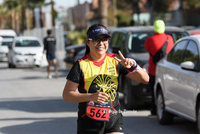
column 98, row 111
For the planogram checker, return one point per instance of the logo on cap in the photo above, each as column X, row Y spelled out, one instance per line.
column 100, row 29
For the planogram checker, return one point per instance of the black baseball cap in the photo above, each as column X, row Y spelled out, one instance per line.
column 99, row 30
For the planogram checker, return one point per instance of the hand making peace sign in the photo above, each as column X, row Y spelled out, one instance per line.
column 126, row 62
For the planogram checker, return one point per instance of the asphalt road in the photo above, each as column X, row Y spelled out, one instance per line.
column 32, row 104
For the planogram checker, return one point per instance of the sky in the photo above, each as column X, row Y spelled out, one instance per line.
column 68, row 3
column 65, row 3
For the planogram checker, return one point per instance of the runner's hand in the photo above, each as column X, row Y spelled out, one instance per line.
column 126, row 62
column 99, row 97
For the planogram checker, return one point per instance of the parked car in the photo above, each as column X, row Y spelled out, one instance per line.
column 71, row 52
column 25, row 51
column 194, row 31
column 177, row 85
column 7, row 33
column 130, row 41
column 4, row 43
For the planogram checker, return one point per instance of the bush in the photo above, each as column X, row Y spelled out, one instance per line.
column 77, row 37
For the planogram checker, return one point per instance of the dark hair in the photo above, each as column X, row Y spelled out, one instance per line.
column 89, row 29
column 49, row 32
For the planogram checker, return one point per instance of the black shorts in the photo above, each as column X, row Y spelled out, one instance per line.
column 86, row 125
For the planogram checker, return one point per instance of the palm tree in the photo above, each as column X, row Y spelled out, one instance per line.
column 9, row 9
column 20, row 9
column 103, row 12
column 32, row 4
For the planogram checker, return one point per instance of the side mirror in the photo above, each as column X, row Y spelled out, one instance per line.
column 187, row 65
column 115, row 49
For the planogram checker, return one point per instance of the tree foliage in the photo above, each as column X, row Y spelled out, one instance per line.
column 124, row 12
column 193, row 3
column 77, row 37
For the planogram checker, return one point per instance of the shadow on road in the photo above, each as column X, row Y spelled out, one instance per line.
column 40, row 106
column 43, row 126
column 139, row 125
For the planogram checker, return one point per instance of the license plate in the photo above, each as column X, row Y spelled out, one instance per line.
column 30, row 60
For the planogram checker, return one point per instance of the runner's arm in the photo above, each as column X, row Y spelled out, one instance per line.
column 140, row 76
column 70, row 94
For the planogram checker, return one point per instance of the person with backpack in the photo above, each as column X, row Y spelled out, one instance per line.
column 157, row 45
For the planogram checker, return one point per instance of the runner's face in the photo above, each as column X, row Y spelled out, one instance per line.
column 98, row 47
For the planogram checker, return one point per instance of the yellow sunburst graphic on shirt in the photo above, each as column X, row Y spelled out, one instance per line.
column 105, row 84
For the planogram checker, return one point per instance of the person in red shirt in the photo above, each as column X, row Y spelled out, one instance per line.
column 152, row 45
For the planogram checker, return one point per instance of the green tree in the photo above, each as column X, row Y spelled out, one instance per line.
column 124, row 12
column 77, row 37
column 20, row 9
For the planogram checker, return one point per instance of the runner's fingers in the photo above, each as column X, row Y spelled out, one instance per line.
column 121, row 55
column 101, row 99
column 105, row 94
column 129, row 61
column 117, row 59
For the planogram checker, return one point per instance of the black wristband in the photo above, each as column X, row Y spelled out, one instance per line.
column 132, row 68
column 135, row 67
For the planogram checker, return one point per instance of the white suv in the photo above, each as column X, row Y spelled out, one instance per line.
column 177, row 86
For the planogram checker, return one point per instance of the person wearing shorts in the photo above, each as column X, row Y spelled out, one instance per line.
column 49, row 47
column 96, row 75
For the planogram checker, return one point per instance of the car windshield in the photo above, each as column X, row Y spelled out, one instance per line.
column 6, row 37
column 136, row 40
column 5, row 43
column 27, row 43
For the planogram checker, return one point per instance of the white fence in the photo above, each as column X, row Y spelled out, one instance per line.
column 60, row 45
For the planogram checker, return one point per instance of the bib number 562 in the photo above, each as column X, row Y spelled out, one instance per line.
column 98, row 113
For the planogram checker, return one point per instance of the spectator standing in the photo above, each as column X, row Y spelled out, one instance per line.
column 152, row 45
column 50, row 48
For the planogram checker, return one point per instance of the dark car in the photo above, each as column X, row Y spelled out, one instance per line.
column 130, row 41
column 72, row 51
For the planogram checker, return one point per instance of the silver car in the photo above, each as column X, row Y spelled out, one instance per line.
column 177, row 85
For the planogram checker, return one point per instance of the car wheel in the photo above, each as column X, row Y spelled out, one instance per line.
column 129, row 100
column 198, row 118
column 163, row 116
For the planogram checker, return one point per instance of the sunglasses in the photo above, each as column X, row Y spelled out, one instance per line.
column 98, row 40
